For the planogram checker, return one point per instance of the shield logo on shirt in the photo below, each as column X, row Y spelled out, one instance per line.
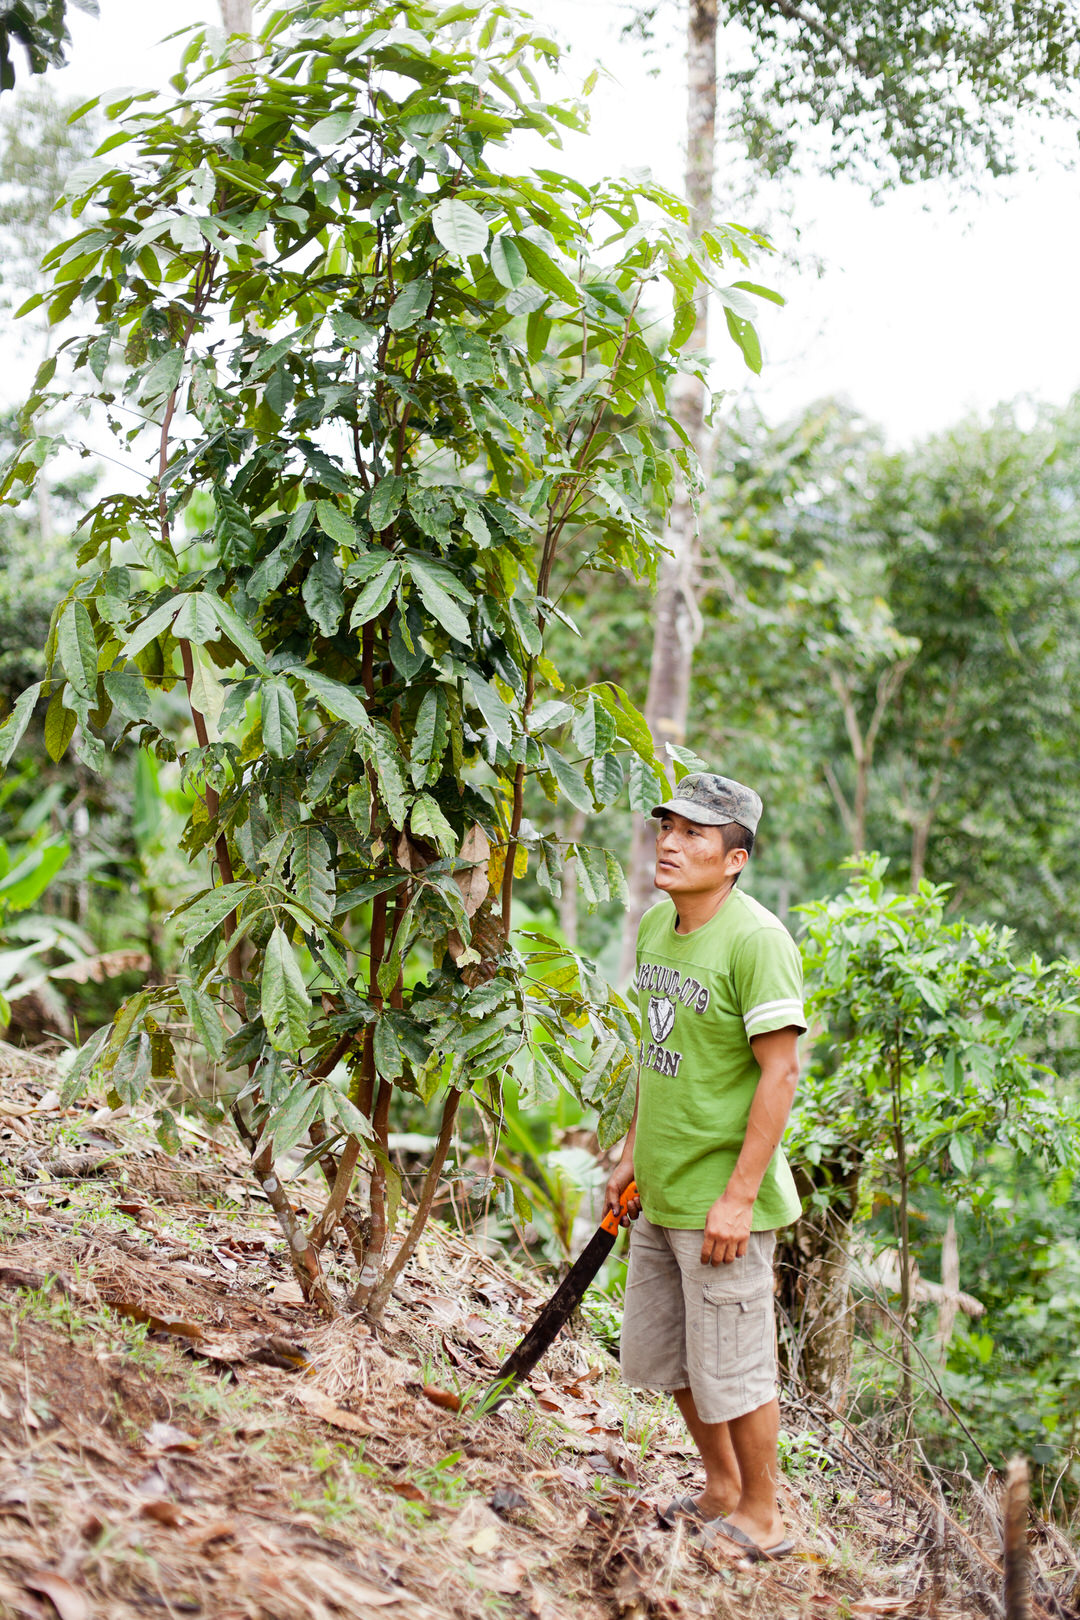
column 661, row 1017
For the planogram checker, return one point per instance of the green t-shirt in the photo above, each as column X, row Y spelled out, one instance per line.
column 702, row 995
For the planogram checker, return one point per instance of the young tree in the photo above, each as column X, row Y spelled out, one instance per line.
column 925, row 1065
column 977, row 530
column 413, row 390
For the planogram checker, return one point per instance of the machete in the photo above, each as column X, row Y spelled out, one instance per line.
column 563, row 1302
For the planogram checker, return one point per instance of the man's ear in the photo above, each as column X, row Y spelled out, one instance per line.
column 736, row 860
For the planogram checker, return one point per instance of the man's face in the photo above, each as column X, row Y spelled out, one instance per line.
column 691, row 859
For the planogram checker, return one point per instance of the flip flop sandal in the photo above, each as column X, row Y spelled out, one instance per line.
column 683, row 1507
column 749, row 1547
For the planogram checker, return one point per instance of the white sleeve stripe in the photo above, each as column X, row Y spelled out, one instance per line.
column 769, row 1009
column 771, row 1006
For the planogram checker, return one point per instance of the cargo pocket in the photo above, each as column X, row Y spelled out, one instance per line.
column 738, row 1332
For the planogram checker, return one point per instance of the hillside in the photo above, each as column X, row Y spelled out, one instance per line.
column 181, row 1435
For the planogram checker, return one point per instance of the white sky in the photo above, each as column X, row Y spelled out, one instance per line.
column 925, row 309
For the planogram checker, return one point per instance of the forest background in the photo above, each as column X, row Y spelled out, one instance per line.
column 888, row 649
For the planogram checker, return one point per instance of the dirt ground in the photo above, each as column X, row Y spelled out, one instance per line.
column 181, row 1435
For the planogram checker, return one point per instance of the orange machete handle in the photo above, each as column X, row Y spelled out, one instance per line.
column 610, row 1222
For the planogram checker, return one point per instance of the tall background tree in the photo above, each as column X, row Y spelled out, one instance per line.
column 837, row 89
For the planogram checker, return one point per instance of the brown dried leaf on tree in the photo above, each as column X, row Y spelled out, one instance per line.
column 474, row 883
column 478, row 960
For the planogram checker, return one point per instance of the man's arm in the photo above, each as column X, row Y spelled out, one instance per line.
column 727, row 1229
column 623, row 1175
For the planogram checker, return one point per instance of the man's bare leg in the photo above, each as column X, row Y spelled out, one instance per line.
column 754, row 1439
column 723, row 1487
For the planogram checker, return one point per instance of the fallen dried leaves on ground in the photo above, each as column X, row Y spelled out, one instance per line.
column 180, row 1435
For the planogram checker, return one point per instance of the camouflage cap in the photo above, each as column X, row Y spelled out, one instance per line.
column 713, row 801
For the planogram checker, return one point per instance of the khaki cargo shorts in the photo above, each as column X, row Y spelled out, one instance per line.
column 709, row 1329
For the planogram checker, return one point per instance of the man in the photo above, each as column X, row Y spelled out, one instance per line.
column 719, row 984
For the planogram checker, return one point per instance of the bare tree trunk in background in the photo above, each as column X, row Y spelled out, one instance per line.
column 677, row 627
column 950, row 1282
column 236, row 15
column 1014, row 1536
column 863, row 743
column 813, row 1265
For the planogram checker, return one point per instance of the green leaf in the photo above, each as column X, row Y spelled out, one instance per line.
column 428, row 821
column 526, row 626
column 289, row 1124
column 205, row 1018
column 356, row 1123
column 607, row 778
column 762, row 292
column 506, row 262
column 150, row 628
column 313, row 881
column 343, row 702
column 77, row 647
column 389, row 1056
column 162, row 377
column 60, row 725
column 495, row 712
column 459, row 227
column 335, row 523
column 962, row 1153
column 410, row 305
column 386, row 758
column 617, row 1108
column 284, row 998
column 429, row 737
column 13, row 728
column 386, row 499
column 571, row 783
column 646, row 790
column 280, row 722
column 200, row 917
column 336, row 750
column 30, row 877
column 237, row 632
column 592, row 874
column 322, row 592
column 744, row 334
column 545, row 271
column 617, row 885
column 207, row 692
column 439, row 603
column 595, row 1079
column 81, row 1069
column 375, row 594
column 335, row 127
column 196, row 620
column 154, row 555
column 629, row 722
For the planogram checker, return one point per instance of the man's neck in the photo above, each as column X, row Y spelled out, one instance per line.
column 695, row 910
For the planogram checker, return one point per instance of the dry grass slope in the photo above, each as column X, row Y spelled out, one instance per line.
column 180, row 1435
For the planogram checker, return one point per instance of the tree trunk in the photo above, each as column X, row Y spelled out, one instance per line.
column 814, row 1281
column 950, row 1283
column 677, row 623
column 236, row 15
column 1017, row 1558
